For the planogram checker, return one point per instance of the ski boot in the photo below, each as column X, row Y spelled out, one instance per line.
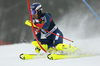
column 37, row 50
column 66, row 48
column 52, row 50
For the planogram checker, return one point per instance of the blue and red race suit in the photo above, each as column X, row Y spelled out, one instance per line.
column 46, row 22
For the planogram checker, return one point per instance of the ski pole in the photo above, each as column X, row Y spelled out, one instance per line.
column 55, row 34
column 59, row 36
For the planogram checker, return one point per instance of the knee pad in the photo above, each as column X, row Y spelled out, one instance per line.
column 45, row 46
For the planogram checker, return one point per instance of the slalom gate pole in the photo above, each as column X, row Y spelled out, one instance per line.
column 33, row 27
column 91, row 9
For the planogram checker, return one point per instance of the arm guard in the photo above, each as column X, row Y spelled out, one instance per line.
column 28, row 22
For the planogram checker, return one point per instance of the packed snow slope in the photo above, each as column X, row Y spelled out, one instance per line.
column 9, row 55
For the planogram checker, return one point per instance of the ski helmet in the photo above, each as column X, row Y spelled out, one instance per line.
column 37, row 7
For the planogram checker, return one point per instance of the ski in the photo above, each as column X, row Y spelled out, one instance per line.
column 31, row 56
column 62, row 56
column 50, row 56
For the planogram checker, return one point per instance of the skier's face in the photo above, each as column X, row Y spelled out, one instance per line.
column 34, row 14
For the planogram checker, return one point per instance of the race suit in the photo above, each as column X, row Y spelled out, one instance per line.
column 46, row 22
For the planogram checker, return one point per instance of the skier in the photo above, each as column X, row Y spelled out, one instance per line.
column 44, row 21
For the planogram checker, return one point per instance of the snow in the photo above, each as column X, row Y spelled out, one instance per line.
column 9, row 55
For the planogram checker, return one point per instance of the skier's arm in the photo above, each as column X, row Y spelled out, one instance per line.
column 37, row 31
column 47, row 21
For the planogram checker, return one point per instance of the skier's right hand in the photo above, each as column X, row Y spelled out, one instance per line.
column 28, row 22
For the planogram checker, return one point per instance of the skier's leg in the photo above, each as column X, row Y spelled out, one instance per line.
column 45, row 43
column 56, row 38
column 58, row 43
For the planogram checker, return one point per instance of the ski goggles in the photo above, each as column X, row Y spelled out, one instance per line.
column 33, row 12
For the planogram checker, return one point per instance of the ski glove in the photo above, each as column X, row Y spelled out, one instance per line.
column 28, row 22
